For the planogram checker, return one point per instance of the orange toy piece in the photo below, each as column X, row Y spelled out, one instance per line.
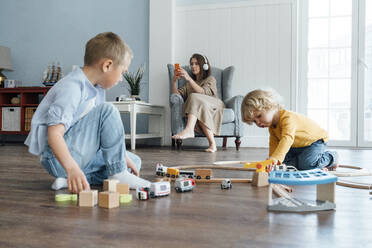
column 260, row 165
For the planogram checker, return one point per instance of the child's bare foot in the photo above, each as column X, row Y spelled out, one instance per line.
column 333, row 167
column 184, row 134
column 334, row 164
column 211, row 149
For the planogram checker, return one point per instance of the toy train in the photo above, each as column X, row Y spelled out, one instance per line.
column 162, row 170
column 184, row 184
column 203, row 173
column 156, row 189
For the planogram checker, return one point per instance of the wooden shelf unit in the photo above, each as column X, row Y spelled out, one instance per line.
column 30, row 97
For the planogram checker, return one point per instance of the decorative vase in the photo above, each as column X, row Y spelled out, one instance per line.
column 135, row 97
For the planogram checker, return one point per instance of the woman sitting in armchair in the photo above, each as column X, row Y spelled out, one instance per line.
column 202, row 106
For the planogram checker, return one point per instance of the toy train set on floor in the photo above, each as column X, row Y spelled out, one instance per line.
column 279, row 182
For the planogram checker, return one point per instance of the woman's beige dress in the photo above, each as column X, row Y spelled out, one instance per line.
column 207, row 107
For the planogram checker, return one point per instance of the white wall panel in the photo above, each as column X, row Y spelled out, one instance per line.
column 257, row 37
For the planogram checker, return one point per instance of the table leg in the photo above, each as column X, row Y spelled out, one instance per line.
column 162, row 128
column 270, row 195
column 133, row 121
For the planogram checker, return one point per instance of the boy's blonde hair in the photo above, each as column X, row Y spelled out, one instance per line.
column 259, row 100
column 106, row 45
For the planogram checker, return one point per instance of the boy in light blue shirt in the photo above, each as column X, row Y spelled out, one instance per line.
column 79, row 137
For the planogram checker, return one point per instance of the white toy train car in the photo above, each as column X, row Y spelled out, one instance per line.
column 184, row 184
column 160, row 189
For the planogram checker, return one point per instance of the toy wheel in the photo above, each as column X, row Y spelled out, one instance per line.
column 158, row 173
column 207, row 177
column 162, row 174
column 168, row 175
column 198, row 177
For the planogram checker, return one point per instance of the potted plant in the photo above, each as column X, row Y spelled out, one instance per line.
column 134, row 80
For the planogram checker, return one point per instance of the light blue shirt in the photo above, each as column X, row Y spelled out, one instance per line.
column 66, row 103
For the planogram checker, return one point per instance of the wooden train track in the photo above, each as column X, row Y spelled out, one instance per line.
column 357, row 172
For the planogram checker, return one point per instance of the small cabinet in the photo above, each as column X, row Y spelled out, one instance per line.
column 17, row 106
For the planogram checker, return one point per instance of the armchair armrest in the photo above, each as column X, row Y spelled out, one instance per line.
column 235, row 104
column 175, row 99
column 176, row 106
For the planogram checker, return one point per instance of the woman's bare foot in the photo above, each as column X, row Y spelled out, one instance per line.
column 184, row 134
column 211, row 149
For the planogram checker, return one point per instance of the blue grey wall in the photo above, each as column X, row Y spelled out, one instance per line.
column 41, row 31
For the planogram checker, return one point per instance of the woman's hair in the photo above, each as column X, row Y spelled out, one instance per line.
column 201, row 61
column 259, row 100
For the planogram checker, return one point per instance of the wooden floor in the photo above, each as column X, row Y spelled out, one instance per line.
column 206, row 217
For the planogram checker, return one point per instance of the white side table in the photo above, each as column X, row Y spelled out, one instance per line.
column 156, row 120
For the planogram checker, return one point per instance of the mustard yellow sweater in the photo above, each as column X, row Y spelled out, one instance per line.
column 293, row 130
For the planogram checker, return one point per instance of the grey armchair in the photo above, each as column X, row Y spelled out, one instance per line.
column 232, row 125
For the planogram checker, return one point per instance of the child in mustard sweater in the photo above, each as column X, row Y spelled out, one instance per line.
column 294, row 139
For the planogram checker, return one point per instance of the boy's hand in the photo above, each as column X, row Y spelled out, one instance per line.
column 76, row 180
column 134, row 169
column 271, row 166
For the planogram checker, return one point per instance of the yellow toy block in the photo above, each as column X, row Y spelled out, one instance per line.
column 65, row 197
column 260, row 166
column 125, row 198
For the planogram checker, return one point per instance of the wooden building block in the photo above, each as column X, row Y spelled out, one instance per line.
column 326, row 192
column 260, row 179
column 109, row 199
column 122, row 188
column 88, row 198
column 110, row 185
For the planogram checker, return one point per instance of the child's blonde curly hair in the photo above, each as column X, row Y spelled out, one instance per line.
column 259, row 100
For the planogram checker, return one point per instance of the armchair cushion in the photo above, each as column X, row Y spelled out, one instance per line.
column 228, row 115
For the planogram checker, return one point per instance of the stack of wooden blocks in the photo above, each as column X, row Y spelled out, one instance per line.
column 110, row 197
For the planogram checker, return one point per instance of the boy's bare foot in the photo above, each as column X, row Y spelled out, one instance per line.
column 211, row 149
column 184, row 134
